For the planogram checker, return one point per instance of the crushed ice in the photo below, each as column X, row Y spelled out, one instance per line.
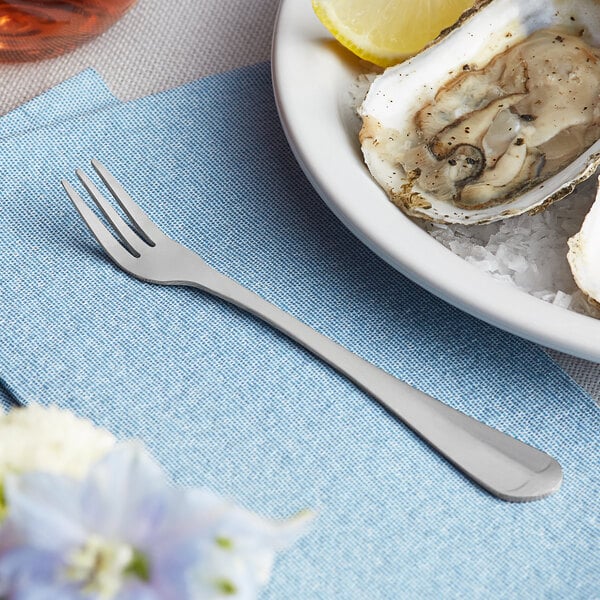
column 528, row 251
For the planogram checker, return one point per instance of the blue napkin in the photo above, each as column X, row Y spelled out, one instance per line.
column 7, row 401
column 74, row 97
column 224, row 401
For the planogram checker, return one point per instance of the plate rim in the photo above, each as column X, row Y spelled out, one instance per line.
column 306, row 67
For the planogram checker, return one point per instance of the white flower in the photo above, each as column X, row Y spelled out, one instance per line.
column 125, row 532
column 35, row 438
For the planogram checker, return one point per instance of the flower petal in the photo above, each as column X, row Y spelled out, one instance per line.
column 126, row 494
column 136, row 590
column 44, row 510
column 25, row 570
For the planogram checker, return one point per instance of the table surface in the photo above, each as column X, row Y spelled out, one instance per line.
column 152, row 49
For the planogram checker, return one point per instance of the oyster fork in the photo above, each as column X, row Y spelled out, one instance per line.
column 502, row 465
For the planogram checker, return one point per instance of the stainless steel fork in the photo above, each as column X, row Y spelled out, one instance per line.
column 506, row 467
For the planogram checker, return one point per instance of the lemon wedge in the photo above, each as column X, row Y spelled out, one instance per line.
column 386, row 32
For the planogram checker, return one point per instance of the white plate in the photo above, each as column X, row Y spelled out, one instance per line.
column 312, row 77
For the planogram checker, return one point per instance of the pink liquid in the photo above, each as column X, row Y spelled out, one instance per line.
column 36, row 29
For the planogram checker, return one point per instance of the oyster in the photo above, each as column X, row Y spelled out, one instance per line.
column 499, row 116
column 584, row 250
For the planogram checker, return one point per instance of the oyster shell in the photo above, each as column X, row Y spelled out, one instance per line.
column 584, row 251
column 499, row 116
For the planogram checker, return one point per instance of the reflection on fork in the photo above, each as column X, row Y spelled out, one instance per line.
column 504, row 466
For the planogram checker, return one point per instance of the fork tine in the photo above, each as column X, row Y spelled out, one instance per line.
column 146, row 227
column 111, row 245
column 129, row 238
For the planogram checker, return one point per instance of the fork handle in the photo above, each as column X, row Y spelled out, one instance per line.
column 504, row 466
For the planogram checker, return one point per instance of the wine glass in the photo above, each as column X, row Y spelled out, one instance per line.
column 37, row 29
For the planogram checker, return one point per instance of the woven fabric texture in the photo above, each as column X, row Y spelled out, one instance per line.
column 224, row 401
column 76, row 96
column 164, row 43
column 159, row 44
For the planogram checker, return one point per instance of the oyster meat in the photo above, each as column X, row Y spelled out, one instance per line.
column 499, row 116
